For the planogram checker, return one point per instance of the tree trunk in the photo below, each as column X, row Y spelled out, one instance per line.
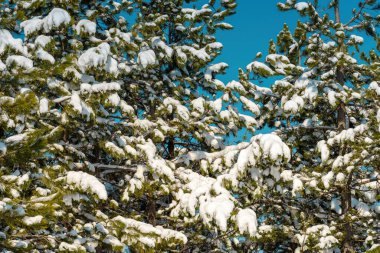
column 346, row 207
column 151, row 210
column 171, row 146
column 341, row 117
column 342, row 124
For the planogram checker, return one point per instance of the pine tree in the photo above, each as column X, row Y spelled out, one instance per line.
column 113, row 129
column 99, row 101
column 313, row 184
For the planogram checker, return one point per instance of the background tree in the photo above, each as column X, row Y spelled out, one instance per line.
column 325, row 107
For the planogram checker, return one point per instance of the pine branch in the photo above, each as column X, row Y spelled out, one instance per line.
column 309, row 127
column 114, row 167
column 368, row 180
column 357, row 15
column 61, row 99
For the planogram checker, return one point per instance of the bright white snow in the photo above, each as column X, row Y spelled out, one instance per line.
column 87, row 182
column 147, row 58
column 86, row 26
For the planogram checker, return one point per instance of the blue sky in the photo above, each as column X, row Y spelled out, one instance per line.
column 255, row 23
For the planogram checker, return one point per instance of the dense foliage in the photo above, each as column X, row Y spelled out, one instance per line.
column 113, row 130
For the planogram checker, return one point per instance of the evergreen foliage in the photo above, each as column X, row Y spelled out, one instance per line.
column 324, row 105
column 113, row 129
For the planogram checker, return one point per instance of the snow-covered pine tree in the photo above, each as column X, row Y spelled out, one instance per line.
column 313, row 184
column 99, row 100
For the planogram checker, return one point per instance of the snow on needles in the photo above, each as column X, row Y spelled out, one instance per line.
column 196, row 194
column 55, row 19
column 43, row 40
column 265, row 146
column 19, row 61
column 99, row 87
column 251, row 106
column 87, row 182
column 301, row 6
column 29, row 221
column 217, row 208
column 86, row 26
column 247, row 222
column 7, row 40
column 2, row 66
column 94, row 57
column 273, row 147
column 322, row 233
column 259, row 67
column 44, row 105
column 156, row 234
column 146, row 58
column 45, row 56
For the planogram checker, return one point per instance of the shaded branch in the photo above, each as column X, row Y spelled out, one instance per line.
column 114, row 167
